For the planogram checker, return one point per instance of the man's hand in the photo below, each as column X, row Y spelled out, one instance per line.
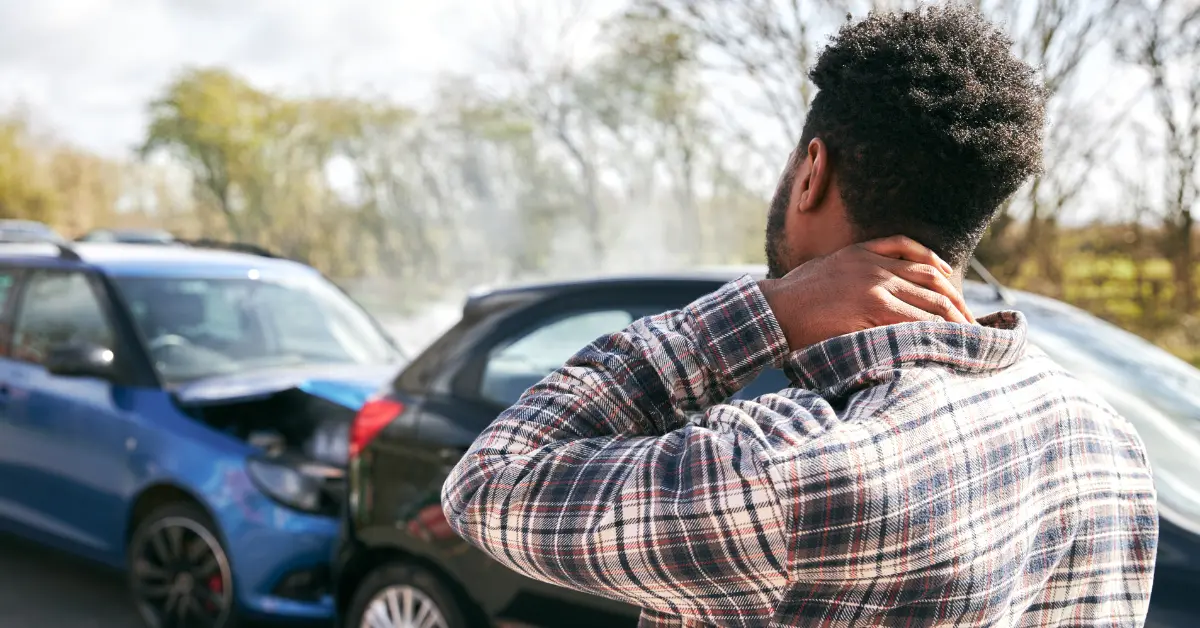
column 871, row 284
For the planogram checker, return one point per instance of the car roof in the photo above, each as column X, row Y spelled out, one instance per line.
column 132, row 231
column 121, row 259
column 29, row 225
column 978, row 295
column 485, row 297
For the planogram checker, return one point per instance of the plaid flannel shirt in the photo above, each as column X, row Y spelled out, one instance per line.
column 914, row 475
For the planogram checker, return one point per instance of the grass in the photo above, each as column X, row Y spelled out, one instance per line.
column 1137, row 295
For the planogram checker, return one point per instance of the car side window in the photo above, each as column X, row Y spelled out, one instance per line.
column 8, row 279
column 514, row 366
column 58, row 308
column 8, row 282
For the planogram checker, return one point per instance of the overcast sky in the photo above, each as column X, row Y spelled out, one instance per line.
column 86, row 68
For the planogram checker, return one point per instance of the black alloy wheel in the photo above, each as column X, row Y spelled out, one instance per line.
column 178, row 572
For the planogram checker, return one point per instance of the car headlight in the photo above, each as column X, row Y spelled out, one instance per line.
column 286, row 484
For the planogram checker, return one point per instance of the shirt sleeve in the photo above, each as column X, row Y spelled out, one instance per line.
column 596, row 480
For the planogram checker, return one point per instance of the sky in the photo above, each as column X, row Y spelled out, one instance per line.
column 85, row 69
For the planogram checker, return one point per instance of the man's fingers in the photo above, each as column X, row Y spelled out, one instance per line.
column 902, row 247
column 928, row 301
column 901, row 312
column 929, row 277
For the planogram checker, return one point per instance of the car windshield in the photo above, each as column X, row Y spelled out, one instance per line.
column 200, row 327
column 1158, row 393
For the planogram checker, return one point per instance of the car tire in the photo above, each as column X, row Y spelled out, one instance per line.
column 384, row 590
column 176, row 563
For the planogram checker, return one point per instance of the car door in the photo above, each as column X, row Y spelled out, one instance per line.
column 66, row 451
column 10, row 508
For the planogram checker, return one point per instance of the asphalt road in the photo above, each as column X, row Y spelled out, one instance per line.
column 41, row 587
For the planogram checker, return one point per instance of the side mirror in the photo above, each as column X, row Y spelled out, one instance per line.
column 81, row 360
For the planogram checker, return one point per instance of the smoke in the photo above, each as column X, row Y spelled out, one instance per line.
column 561, row 169
column 638, row 241
column 414, row 332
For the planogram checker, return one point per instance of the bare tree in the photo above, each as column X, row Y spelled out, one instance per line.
column 757, row 54
column 1165, row 43
column 1138, row 209
column 546, row 74
column 1060, row 37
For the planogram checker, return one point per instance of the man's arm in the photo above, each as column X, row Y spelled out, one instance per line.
column 593, row 481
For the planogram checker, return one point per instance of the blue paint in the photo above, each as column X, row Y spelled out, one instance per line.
column 77, row 452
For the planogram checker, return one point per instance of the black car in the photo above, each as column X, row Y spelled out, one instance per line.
column 398, row 559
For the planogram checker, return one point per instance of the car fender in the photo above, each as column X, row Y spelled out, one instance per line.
column 154, row 494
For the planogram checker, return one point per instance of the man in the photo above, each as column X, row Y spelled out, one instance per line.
column 924, row 469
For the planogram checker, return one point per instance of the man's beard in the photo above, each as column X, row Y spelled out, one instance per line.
column 776, row 245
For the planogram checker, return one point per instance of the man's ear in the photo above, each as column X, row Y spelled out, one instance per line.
column 812, row 177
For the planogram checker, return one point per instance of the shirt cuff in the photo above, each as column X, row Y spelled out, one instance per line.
column 739, row 332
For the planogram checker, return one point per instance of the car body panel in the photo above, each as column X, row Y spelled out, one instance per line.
column 52, row 419
column 76, row 453
column 395, row 485
column 349, row 386
column 263, row 539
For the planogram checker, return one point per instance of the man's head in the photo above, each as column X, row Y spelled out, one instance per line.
column 923, row 124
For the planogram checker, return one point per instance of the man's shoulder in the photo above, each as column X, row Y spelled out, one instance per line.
column 1033, row 384
column 1049, row 376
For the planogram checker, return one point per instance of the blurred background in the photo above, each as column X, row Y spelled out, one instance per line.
column 413, row 150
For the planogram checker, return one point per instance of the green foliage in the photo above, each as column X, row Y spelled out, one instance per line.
column 25, row 189
column 41, row 179
column 220, row 127
column 628, row 160
column 1107, row 272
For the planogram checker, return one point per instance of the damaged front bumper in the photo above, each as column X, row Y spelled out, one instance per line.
column 280, row 555
column 278, row 506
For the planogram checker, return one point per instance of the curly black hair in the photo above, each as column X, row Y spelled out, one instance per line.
column 931, row 122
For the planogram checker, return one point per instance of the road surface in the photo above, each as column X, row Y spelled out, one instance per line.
column 40, row 587
column 43, row 588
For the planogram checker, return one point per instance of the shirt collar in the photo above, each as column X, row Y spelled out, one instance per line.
column 841, row 365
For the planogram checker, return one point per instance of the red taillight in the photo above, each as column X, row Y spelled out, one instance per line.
column 372, row 418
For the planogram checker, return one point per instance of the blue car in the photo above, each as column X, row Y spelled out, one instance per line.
column 183, row 413
column 28, row 231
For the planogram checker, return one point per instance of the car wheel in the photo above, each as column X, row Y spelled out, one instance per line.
column 400, row 595
column 178, row 572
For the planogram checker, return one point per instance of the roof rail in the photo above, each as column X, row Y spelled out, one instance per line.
column 240, row 247
column 66, row 252
column 1002, row 293
column 63, row 249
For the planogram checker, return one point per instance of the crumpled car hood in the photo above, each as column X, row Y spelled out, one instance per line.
column 348, row 386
